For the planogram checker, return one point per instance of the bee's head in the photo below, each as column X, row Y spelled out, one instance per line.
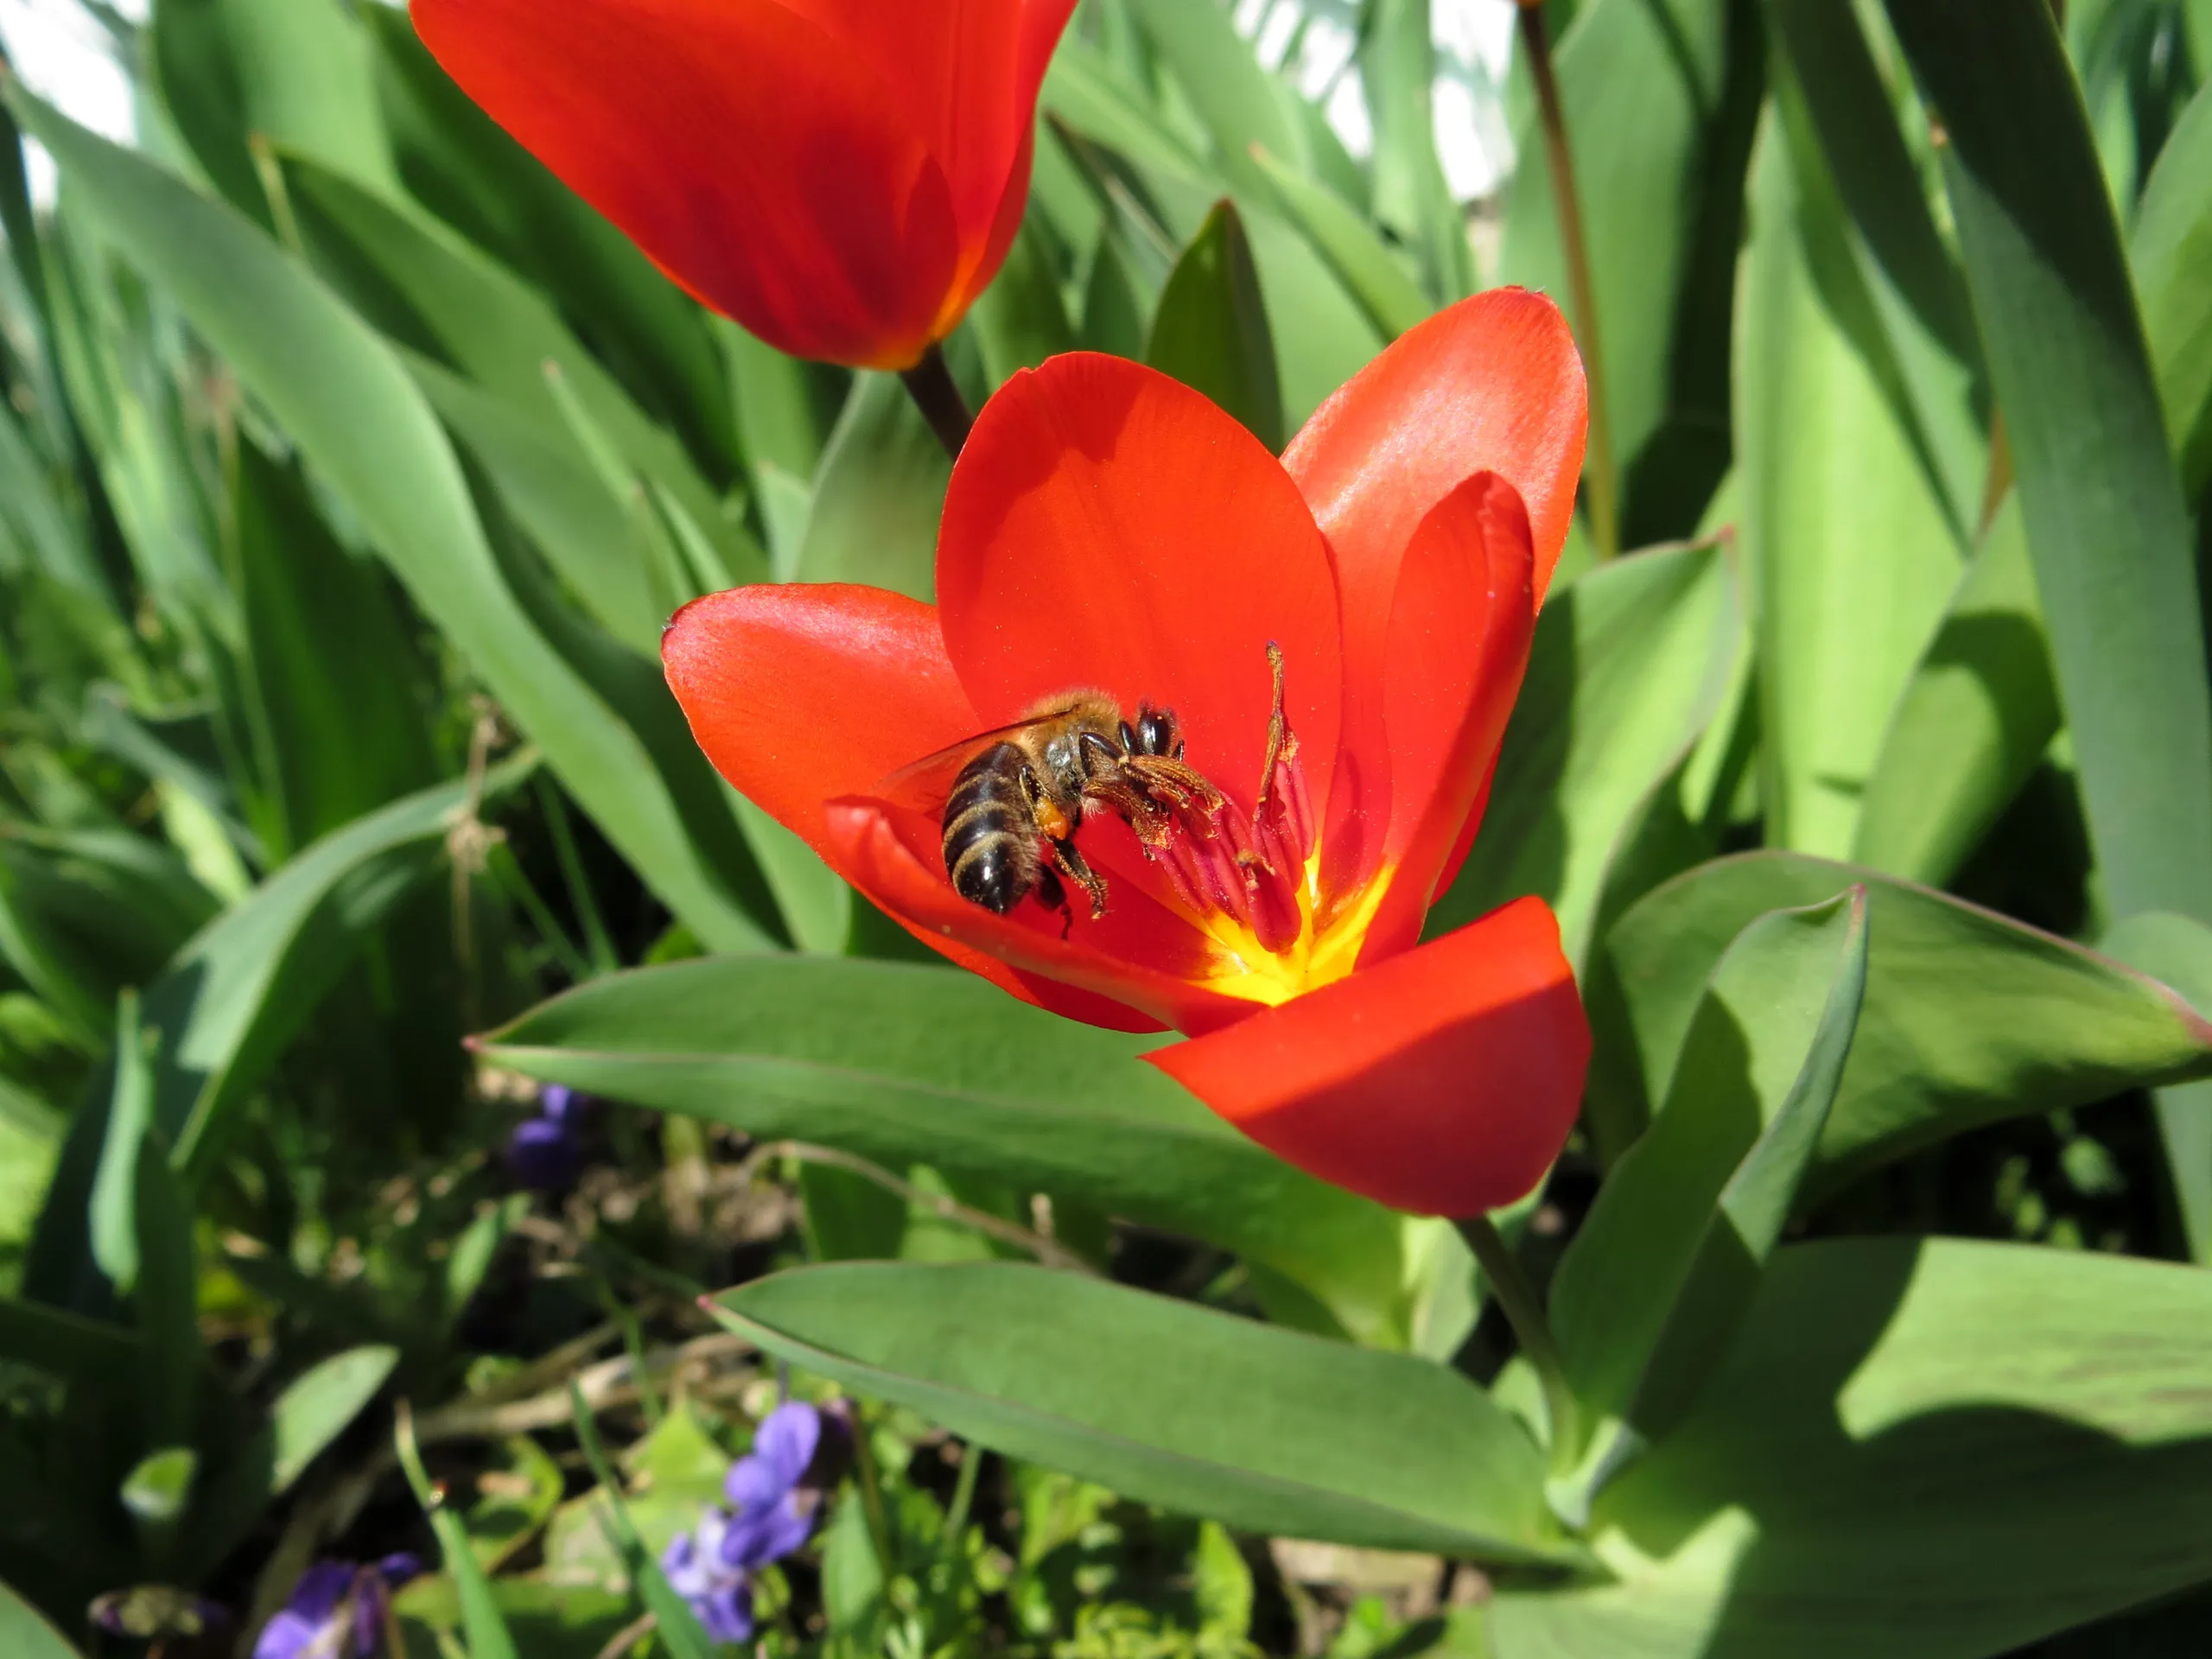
column 1156, row 732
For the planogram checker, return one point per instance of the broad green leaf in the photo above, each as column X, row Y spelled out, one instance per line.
column 903, row 1064
column 239, row 991
column 1211, row 330
column 489, row 324
column 877, row 495
column 1926, row 1449
column 515, row 1498
column 1659, row 95
column 1974, row 720
column 335, row 717
column 1915, row 319
column 1363, row 262
column 294, row 73
column 1969, row 1018
column 1630, row 663
column 2106, row 526
column 366, row 429
column 24, row 1632
column 1653, row 1285
column 1261, row 1428
column 457, row 162
column 588, row 533
column 83, row 913
column 1851, row 549
column 91, row 1354
column 1323, row 335
column 2171, row 248
column 2174, row 950
column 1412, row 203
column 1021, row 318
column 1239, row 103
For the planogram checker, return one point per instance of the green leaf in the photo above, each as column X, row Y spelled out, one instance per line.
column 1975, row 719
column 1629, row 664
column 240, row 990
column 1261, row 1428
column 1239, row 104
column 2171, row 248
column 1363, row 262
column 1211, row 331
column 2172, row 949
column 903, row 1064
column 1926, row 1449
column 2106, row 526
column 1322, row 336
column 674, row 1620
column 340, row 724
column 291, row 73
column 1652, row 1286
column 1851, row 548
column 1659, row 97
column 516, row 1498
column 1969, row 1017
column 547, row 1621
column 90, row 1354
column 1412, row 203
column 24, row 1632
column 490, row 324
column 481, row 1619
column 1022, row 318
column 338, row 391
column 1913, row 317
column 457, row 161
column 877, row 495
column 159, row 1486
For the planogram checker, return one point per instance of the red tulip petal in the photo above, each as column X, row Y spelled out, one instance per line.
column 1443, row 1081
column 804, row 692
column 891, row 855
column 1458, row 644
column 742, row 147
column 969, row 73
column 1108, row 527
column 1493, row 383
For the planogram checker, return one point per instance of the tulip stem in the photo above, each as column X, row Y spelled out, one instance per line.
column 1602, row 482
column 1524, row 1310
column 930, row 383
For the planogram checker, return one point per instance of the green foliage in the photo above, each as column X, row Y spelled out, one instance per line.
column 350, row 467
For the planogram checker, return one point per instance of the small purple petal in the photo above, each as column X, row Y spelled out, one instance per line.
column 761, row 1536
column 397, row 1568
column 287, row 1635
column 562, row 1104
column 544, row 1156
column 786, row 1439
column 727, row 1614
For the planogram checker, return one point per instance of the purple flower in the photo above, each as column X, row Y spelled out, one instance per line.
column 544, row 1153
column 721, row 1594
column 774, row 1494
column 337, row 1611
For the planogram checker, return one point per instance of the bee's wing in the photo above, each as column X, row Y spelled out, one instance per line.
column 925, row 783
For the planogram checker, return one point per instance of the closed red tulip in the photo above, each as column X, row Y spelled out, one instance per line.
column 1107, row 528
column 843, row 177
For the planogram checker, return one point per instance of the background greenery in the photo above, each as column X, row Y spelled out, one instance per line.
column 348, row 468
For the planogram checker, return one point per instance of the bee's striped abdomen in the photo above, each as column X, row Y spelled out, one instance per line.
column 990, row 831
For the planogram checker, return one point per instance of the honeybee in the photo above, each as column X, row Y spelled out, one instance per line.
column 1011, row 818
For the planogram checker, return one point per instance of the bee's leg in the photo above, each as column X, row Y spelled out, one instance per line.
column 1054, row 896
column 1070, row 863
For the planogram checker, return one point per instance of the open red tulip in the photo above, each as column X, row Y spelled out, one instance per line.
column 1108, row 529
column 843, row 177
